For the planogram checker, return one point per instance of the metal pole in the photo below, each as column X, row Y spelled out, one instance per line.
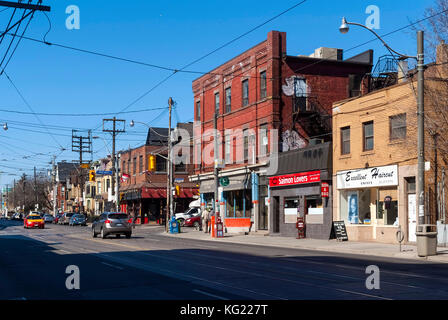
column 216, row 169
column 169, row 165
column 55, row 187
column 422, row 215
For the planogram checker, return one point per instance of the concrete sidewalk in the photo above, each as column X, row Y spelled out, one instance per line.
column 333, row 246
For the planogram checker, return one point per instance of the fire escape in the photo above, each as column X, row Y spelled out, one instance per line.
column 311, row 116
column 385, row 73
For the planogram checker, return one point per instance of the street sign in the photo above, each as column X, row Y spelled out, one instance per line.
column 85, row 165
column 224, row 181
column 104, row 172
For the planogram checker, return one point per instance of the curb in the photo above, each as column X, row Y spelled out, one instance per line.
column 397, row 255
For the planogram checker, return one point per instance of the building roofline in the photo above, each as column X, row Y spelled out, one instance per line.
column 224, row 63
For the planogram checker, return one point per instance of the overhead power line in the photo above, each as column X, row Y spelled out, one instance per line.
column 79, row 114
column 29, row 106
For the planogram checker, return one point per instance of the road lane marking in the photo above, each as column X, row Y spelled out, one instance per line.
column 364, row 294
column 112, row 266
column 175, row 274
column 209, row 294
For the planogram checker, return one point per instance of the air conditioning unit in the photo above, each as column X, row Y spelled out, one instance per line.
column 315, row 142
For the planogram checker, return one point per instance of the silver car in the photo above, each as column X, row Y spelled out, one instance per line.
column 112, row 223
column 48, row 218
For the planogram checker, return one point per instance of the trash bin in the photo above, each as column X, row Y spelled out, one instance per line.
column 426, row 240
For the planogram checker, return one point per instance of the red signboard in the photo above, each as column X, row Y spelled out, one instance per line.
column 295, row 179
column 325, row 190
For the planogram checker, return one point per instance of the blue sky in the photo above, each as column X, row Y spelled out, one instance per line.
column 168, row 33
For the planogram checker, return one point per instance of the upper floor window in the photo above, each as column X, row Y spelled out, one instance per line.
column 264, row 140
column 245, row 92
column 198, row 110
column 263, row 85
column 107, row 184
column 345, row 140
column 300, row 95
column 135, row 166
column 368, row 135
column 180, row 167
column 140, row 160
column 228, row 99
column 398, row 127
column 217, row 103
column 160, row 164
column 246, row 144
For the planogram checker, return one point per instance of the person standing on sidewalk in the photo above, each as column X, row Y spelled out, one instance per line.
column 205, row 219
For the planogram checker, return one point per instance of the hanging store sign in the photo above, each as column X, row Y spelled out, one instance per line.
column 295, row 179
column 368, row 178
column 325, row 190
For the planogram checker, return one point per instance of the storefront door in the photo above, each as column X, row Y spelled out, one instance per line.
column 412, row 217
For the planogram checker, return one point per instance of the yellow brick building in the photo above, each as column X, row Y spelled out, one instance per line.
column 375, row 160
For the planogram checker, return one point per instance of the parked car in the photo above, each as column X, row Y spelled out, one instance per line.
column 56, row 219
column 181, row 217
column 17, row 216
column 34, row 221
column 112, row 223
column 78, row 220
column 65, row 218
column 194, row 221
column 48, row 218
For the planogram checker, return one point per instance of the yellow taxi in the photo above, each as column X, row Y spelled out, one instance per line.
column 34, row 221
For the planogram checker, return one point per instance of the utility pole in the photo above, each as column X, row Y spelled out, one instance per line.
column 7, row 198
column 81, row 144
column 55, row 187
column 422, row 215
column 169, row 189
column 24, row 196
column 35, row 188
column 216, row 166
column 14, row 195
column 114, row 131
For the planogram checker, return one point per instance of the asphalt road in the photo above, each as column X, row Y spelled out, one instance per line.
column 154, row 266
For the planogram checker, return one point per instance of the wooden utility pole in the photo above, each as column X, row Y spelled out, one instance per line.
column 114, row 132
column 81, row 144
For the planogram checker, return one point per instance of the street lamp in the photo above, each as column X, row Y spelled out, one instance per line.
column 5, row 126
column 344, row 28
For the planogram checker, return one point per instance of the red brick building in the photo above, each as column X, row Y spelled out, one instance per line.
column 143, row 193
column 259, row 92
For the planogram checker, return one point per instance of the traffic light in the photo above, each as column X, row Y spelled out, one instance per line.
column 177, row 190
column 92, row 175
column 152, row 163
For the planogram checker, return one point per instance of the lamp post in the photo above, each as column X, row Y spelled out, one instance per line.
column 422, row 215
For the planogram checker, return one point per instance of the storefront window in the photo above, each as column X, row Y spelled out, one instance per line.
column 355, row 206
column 238, row 203
column 314, row 205
column 387, row 207
column 291, row 210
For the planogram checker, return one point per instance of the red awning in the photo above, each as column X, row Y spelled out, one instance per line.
column 153, row 193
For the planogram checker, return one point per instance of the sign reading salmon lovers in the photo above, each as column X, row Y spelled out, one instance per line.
column 295, row 179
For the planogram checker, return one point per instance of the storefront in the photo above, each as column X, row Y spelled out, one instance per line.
column 296, row 191
column 371, row 202
column 238, row 194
